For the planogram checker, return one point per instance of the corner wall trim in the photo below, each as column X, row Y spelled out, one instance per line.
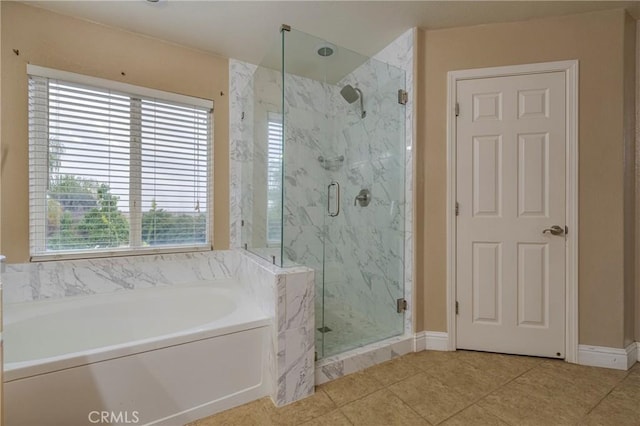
column 638, row 343
column 431, row 341
column 599, row 356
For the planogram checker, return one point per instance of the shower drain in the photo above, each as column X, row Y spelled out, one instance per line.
column 324, row 329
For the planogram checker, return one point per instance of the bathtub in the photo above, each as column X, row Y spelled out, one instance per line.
column 162, row 356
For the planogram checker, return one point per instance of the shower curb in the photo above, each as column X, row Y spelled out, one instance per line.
column 358, row 359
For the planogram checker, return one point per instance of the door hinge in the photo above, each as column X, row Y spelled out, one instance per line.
column 242, row 222
column 566, row 230
column 403, row 97
column 457, row 109
column 457, row 308
column 457, row 209
column 401, row 305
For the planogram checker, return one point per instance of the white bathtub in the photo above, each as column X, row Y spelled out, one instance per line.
column 152, row 356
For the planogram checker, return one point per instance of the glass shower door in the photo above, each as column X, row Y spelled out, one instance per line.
column 364, row 241
column 343, row 188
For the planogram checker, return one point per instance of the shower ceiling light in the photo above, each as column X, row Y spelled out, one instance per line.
column 325, row 49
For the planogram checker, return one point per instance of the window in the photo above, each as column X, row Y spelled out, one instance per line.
column 274, row 179
column 114, row 167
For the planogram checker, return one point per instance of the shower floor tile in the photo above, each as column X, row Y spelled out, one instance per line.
column 349, row 331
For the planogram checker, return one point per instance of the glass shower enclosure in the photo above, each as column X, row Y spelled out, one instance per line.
column 325, row 184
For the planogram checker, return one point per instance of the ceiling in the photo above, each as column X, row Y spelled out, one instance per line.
column 247, row 30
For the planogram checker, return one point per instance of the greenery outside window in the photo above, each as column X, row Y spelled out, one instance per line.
column 115, row 168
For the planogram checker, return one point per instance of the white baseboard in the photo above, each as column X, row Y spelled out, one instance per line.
column 599, row 356
column 431, row 340
column 420, row 341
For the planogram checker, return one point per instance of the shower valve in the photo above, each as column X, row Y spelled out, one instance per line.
column 363, row 197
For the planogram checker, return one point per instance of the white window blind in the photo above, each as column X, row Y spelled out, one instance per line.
column 115, row 171
column 274, row 178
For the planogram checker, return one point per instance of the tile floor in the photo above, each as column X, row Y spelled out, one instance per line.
column 458, row 388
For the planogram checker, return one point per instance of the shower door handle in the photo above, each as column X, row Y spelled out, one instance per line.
column 337, row 211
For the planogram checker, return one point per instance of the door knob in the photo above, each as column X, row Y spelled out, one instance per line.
column 554, row 230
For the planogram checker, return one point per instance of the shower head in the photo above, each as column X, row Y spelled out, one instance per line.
column 352, row 94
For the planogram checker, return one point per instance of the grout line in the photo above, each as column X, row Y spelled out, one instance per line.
column 412, row 409
column 491, row 392
column 357, row 399
column 345, row 416
column 607, row 394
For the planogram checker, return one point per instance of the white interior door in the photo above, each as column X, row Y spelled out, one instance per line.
column 510, row 162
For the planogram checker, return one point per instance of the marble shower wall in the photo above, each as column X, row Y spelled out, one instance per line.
column 369, row 239
column 400, row 53
column 305, row 180
column 384, row 165
column 240, row 150
column 254, row 95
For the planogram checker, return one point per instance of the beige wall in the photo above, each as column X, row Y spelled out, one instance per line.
column 628, row 123
column 596, row 40
column 419, row 214
column 56, row 41
column 1, row 321
column 637, row 306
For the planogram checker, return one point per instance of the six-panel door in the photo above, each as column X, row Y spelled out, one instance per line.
column 511, row 152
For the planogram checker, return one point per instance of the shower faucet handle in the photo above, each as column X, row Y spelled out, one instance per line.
column 363, row 197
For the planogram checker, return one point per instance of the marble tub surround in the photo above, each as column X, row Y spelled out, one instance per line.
column 287, row 296
column 66, row 278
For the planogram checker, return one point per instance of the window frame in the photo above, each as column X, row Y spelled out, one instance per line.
column 39, row 173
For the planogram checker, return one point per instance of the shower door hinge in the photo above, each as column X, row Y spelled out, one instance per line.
column 457, row 209
column 457, row 308
column 457, row 109
column 401, row 305
column 242, row 222
column 403, row 97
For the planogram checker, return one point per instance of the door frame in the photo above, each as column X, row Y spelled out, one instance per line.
column 570, row 69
